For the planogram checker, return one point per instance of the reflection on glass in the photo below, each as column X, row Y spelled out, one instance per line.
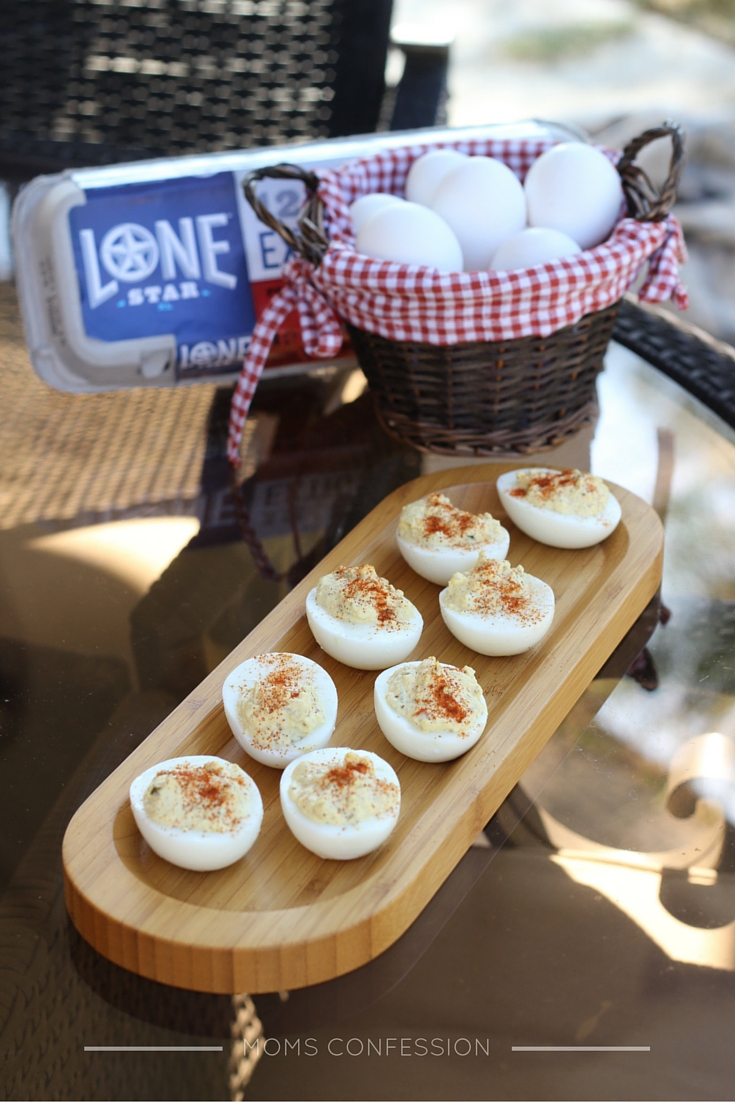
column 636, row 892
column 247, row 1045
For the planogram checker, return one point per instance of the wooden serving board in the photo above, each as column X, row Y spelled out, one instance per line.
column 281, row 917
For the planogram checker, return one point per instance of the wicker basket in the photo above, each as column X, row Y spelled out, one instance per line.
column 487, row 397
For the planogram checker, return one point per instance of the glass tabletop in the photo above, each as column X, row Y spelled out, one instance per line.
column 585, row 945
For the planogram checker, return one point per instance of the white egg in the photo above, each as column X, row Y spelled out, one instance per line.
column 437, row 539
column 574, row 188
column 361, row 619
column 438, row 564
column 484, row 203
column 531, row 247
column 556, row 529
column 200, row 850
column 366, row 205
column 350, row 834
column 501, row 626
column 415, row 743
column 410, row 234
column 428, row 171
column 290, row 685
column 363, row 646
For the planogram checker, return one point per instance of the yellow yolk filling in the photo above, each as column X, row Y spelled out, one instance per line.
column 435, row 522
column 571, row 492
column 345, row 793
column 283, row 707
column 209, row 797
column 358, row 595
column 436, row 698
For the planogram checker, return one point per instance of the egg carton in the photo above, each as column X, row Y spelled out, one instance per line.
column 153, row 274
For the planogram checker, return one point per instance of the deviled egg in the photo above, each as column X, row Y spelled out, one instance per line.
column 199, row 812
column 280, row 706
column 569, row 509
column 361, row 619
column 429, row 710
column 437, row 539
column 340, row 803
column 497, row 608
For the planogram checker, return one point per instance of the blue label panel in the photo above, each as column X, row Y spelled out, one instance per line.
column 167, row 257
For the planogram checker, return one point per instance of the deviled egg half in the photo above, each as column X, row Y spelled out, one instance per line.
column 437, row 539
column 361, row 619
column 569, row 509
column 340, row 803
column 497, row 608
column 429, row 710
column 199, row 812
column 280, row 706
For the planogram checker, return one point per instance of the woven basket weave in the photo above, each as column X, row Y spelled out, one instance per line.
column 486, row 397
column 502, row 396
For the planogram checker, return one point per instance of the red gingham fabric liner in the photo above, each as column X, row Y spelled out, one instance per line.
column 407, row 302
column 320, row 332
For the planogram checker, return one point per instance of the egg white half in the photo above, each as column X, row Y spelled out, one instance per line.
column 557, row 529
column 409, row 739
column 338, row 842
column 248, row 674
column 437, row 564
column 502, row 633
column 199, row 850
column 363, row 646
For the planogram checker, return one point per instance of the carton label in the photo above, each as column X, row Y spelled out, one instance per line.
column 167, row 257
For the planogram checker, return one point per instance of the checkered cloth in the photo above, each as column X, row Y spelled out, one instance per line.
column 408, row 302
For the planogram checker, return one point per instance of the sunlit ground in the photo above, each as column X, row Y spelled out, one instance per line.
column 589, row 60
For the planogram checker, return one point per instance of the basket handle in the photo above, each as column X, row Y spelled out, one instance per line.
column 645, row 202
column 309, row 238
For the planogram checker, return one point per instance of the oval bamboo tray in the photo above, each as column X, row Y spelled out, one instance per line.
column 282, row 918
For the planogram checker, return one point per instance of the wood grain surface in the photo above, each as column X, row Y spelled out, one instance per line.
column 281, row 917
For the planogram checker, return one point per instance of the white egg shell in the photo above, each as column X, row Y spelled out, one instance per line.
column 410, row 234
column 248, row 674
column 437, row 564
column 414, row 743
column 531, row 247
column 330, row 840
column 199, row 850
column 362, row 646
column 428, row 171
column 484, row 203
column 503, row 633
column 574, row 188
column 557, row 529
column 366, row 205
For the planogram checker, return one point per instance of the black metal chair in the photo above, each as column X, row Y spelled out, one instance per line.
column 701, row 364
column 92, row 82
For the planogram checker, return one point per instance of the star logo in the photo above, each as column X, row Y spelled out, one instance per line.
column 129, row 252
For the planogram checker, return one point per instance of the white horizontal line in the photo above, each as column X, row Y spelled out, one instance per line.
column 581, row 1048
column 153, row 1048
